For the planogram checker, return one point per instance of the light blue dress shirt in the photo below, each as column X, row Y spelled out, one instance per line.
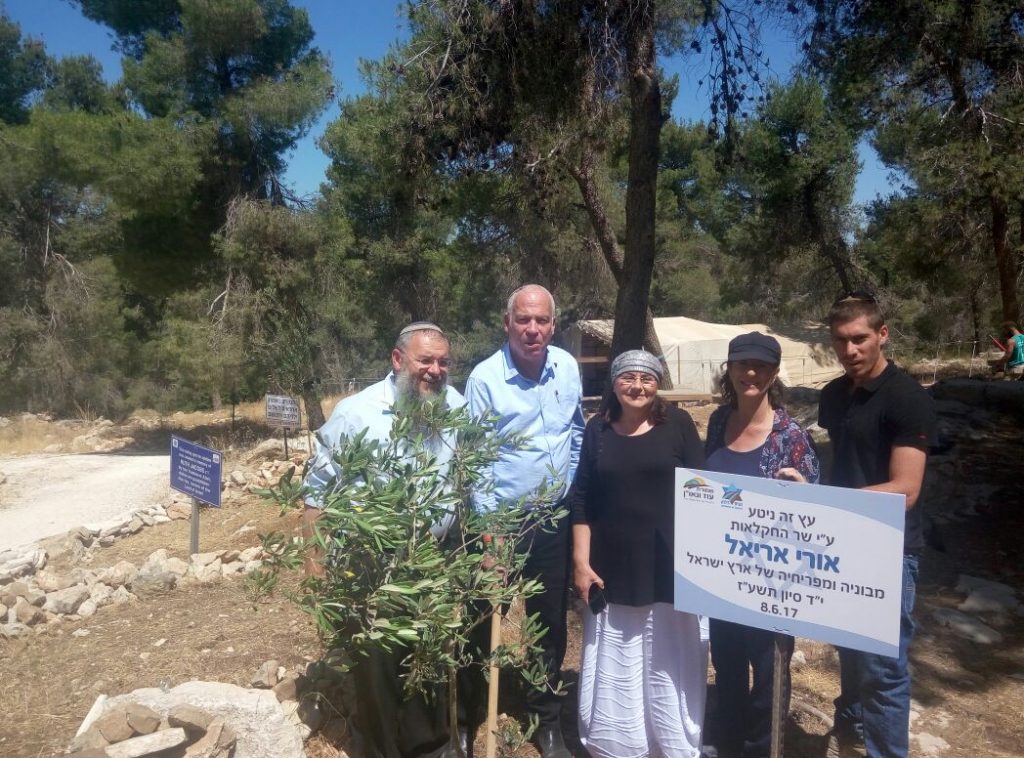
column 548, row 412
column 369, row 410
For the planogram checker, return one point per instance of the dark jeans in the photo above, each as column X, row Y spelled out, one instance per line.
column 548, row 562
column 743, row 725
column 874, row 698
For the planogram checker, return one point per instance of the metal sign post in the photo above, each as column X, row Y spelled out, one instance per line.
column 196, row 471
column 193, row 542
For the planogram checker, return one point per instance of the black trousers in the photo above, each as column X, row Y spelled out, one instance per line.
column 548, row 562
column 391, row 725
column 743, row 725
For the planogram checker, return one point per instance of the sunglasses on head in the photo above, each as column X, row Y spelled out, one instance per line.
column 859, row 296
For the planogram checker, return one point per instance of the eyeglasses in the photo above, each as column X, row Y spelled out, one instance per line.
column 646, row 380
column 442, row 363
column 859, row 296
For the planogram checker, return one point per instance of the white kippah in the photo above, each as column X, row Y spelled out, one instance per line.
column 421, row 326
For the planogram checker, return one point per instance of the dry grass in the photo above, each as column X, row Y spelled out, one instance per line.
column 212, row 632
column 30, row 434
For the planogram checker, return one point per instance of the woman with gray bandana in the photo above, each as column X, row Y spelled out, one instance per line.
column 642, row 677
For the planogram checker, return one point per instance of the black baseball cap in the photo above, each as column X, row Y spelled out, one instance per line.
column 754, row 346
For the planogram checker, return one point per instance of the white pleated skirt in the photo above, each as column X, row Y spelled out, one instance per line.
column 643, row 682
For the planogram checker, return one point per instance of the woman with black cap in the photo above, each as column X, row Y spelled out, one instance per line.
column 644, row 668
column 751, row 434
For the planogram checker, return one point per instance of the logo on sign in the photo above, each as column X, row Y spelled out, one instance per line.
column 731, row 497
column 698, row 490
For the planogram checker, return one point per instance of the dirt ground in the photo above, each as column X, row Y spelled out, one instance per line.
column 971, row 696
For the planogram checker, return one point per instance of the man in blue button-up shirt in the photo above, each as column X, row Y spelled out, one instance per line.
column 534, row 389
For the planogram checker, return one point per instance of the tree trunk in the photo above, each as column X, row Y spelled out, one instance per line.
column 584, row 176
column 1006, row 266
column 314, row 413
column 631, row 311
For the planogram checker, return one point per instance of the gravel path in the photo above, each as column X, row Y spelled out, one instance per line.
column 45, row 495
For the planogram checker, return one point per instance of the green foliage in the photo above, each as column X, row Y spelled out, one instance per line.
column 22, row 71
column 389, row 583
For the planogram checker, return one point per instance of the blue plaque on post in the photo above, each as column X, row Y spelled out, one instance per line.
column 196, row 470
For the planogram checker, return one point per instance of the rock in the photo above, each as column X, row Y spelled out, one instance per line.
column 28, row 614
column 250, row 554
column 35, row 597
column 204, row 559
column 179, row 511
column 141, row 719
column 121, row 573
column 90, row 739
column 243, row 530
column 66, row 601
column 218, row 742
column 134, row 526
column 238, row 477
column 106, row 541
column 3, row 613
column 930, row 745
column 113, row 725
column 266, row 676
column 81, row 633
column 114, row 529
column 92, row 752
column 255, row 716
column 986, row 596
column 251, row 566
column 121, row 596
column 10, row 593
column 145, row 518
column 148, row 744
column 232, row 569
column 287, row 688
column 208, row 573
column 158, row 572
column 100, row 593
column 82, row 576
column 48, row 581
column 87, row 608
column 967, row 626
column 229, row 556
column 193, row 720
column 177, row 566
column 13, row 629
column 65, row 546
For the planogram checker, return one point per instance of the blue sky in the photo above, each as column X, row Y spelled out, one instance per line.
column 350, row 30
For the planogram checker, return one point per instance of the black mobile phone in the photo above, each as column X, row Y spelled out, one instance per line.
column 596, row 599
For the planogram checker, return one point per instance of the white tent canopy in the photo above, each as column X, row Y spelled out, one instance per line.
column 695, row 350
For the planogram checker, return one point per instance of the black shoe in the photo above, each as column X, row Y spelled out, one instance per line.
column 550, row 743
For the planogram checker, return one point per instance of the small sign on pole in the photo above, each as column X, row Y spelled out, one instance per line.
column 196, row 471
column 283, row 411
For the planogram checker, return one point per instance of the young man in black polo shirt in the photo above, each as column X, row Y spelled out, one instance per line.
column 881, row 423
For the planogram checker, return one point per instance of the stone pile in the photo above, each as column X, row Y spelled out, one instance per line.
column 133, row 730
column 47, row 598
column 194, row 719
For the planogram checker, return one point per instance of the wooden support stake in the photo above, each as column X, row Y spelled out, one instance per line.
column 778, row 717
column 492, row 687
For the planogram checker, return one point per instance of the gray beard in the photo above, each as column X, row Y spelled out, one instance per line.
column 408, row 389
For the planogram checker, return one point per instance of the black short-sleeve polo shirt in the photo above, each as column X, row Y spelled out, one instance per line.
column 865, row 423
